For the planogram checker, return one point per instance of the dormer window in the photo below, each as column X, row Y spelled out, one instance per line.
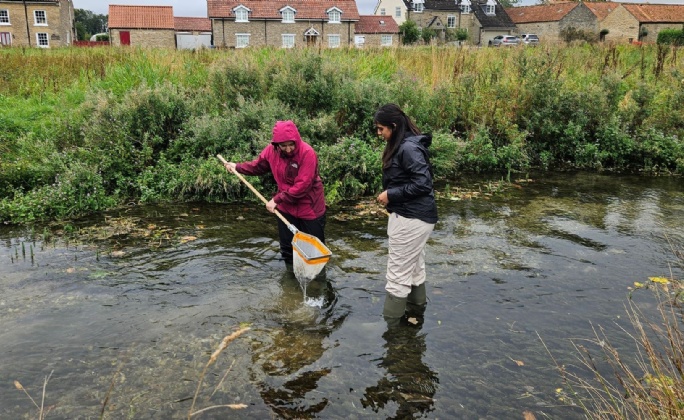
column 490, row 8
column 288, row 14
column 418, row 5
column 241, row 14
column 334, row 15
column 465, row 7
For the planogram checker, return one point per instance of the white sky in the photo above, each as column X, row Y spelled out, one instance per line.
column 183, row 8
column 198, row 8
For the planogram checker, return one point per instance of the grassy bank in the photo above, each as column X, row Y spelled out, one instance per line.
column 88, row 129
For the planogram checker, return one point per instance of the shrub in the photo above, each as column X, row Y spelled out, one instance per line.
column 671, row 37
column 77, row 191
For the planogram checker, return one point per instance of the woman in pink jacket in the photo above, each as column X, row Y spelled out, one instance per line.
column 300, row 197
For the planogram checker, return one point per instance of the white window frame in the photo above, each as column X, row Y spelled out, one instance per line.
column 382, row 11
column 385, row 40
column 4, row 17
column 397, row 12
column 288, row 40
column 334, row 41
column 37, row 19
column 490, row 8
column 288, row 14
column 241, row 14
column 465, row 7
column 46, row 41
column 451, row 21
column 242, row 40
column 334, row 15
column 418, row 7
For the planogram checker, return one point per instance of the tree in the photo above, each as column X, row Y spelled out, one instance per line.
column 88, row 24
column 428, row 34
column 409, row 32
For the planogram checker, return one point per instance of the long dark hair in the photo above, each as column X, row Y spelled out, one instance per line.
column 390, row 115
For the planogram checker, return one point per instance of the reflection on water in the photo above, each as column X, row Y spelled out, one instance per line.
column 127, row 311
column 409, row 383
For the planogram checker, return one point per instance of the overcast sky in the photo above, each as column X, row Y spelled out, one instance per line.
column 184, row 8
column 198, row 8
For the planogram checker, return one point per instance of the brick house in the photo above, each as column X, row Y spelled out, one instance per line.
column 192, row 32
column 142, row 26
column 394, row 8
column 283, row 24
column 36, row 23
column 552, row 20
column 376, row 31
column 482, row 19
column 649, row 19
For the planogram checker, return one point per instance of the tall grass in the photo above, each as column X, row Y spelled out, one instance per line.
column 647, row 383
column 150, row 121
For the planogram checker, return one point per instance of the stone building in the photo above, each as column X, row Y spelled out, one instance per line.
column 282, row 23
column 550, row 21
column 649, row 19
column 36, row 23
column 602, row 10
column 482, row 19
column 142, row 26
column 376, row 31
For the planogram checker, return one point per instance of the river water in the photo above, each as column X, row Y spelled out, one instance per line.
column 121, row 311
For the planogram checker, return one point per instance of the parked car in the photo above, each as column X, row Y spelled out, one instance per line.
column 530, row 39
column 505, row 40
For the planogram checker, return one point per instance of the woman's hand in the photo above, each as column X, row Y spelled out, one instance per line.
column 382, row 198
column 271, row 206
column 230, row 166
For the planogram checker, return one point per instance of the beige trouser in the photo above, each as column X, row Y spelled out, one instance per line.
column 406, row 261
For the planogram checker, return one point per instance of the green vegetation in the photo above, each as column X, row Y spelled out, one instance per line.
column 88, row 129
column 671, row 37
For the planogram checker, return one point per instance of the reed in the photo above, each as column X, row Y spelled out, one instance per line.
column 648, row 385
column 212, row 359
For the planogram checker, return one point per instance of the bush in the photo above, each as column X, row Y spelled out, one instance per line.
column 77, row 191
column 671, row 37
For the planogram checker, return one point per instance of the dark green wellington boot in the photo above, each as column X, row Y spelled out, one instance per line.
column 416, row 302
column 394, row 309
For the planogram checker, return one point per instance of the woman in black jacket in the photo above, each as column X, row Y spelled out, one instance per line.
column 409, row 197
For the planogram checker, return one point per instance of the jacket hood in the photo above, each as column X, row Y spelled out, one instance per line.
column 285, row 131
column 423, row 139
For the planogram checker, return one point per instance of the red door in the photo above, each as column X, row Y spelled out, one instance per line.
column 125, row 37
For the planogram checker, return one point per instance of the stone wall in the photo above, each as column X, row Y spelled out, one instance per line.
column 375, row 40
column 148, row 38
column 580, row 18
column 546, row 31
column 622, row 26
column 269, row 33
column 58, row 27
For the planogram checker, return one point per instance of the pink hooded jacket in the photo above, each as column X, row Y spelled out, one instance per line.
column 300, row 188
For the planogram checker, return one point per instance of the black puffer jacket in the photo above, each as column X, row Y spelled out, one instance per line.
column 408, row 180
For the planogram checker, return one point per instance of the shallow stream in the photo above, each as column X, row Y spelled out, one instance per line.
column 124, row 315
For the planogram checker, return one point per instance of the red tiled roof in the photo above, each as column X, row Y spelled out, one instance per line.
column 545, row 13
column 376, row 25
column 192, row 24
column 601, row 9
column 270, row 9
column 141, row 17
column 654, row 13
